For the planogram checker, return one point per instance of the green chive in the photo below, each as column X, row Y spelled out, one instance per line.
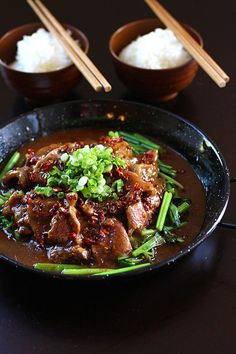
column 147, row 232
column 122, row 270
column 182, row 208
column 167, row 169
column 163, row 211
column 174, row 227
column 10, row 164
column 140, row 140
column 174, row 214
column 155, row 241
column 85, row 271
column 129, row 261
column 171, row 180
column 50, row 267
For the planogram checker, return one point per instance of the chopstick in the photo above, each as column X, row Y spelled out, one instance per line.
column 189, row 43
column 76, row 54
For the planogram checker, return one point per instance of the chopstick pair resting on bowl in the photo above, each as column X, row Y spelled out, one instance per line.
column 194, row 49
column 76, row 54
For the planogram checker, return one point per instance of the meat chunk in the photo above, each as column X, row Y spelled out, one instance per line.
column 147, row 172
column 18, row 176
column 40, row 212
column 137, row 217
column 114, row 243
column 47, row 161
column 74, row 254
column 64, row 227
column 17, row 208
column 120, row 148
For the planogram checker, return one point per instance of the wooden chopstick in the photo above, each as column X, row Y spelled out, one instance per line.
column 70, row 50
column 74, row 45
column 196, row 51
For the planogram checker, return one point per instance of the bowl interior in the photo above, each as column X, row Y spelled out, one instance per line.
column 177, row 133
column 131, row 31
column 9, row 40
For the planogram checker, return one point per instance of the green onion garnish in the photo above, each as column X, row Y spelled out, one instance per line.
column 163, row 210
column 155, row 241
column 50, row 267
column 139, row 140
column 148, row 232
column 129, row 261
column 10, row 164
column 85, row 271
column 174, row 214
column 171, row 180
column 122, row 270
column 167, row 169
column 182, row 208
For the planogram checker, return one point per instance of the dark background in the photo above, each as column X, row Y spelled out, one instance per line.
column 191, row 306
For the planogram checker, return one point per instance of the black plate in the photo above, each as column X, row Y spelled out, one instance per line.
column 179, row 134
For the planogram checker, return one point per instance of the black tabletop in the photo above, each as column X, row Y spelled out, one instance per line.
column 189, row 307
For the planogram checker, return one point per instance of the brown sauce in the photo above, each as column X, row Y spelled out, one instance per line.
column 28, row 253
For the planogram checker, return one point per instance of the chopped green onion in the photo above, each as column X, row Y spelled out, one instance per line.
column 10, row 164
column 60, row 195
column 64, row 157
column 163, row 211
column 112, row 134
column 155, row 241
column 6, row 223
column 147, row 232
column 122, row 270
column 171, row 180
column 182, row 208
column 46, row 191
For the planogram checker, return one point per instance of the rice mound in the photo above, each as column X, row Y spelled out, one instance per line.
column 159, row 49
column 40, row 52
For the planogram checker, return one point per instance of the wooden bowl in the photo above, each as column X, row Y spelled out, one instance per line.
column 38, row 87
column 150, row 85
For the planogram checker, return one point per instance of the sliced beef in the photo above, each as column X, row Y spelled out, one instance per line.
column 74, row 254
column 18, row 177
column 148, row 173
column 120, row 148
column 40, row 213
column 150, row 157
column 64, row 227
column 50, row 159
column 113, row 243
column 137, row 217
column 17, row 208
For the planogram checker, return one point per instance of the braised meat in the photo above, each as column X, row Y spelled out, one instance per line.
column 83, row 203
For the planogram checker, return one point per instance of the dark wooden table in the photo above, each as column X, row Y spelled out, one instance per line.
column 191, row 306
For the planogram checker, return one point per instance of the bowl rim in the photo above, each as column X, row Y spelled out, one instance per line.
column 179, row 67
column 66, row 25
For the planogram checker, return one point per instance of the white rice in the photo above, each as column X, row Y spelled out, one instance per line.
column 40, row 52
column 159, row 49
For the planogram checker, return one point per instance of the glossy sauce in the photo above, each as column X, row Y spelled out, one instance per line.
column 29, row 253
